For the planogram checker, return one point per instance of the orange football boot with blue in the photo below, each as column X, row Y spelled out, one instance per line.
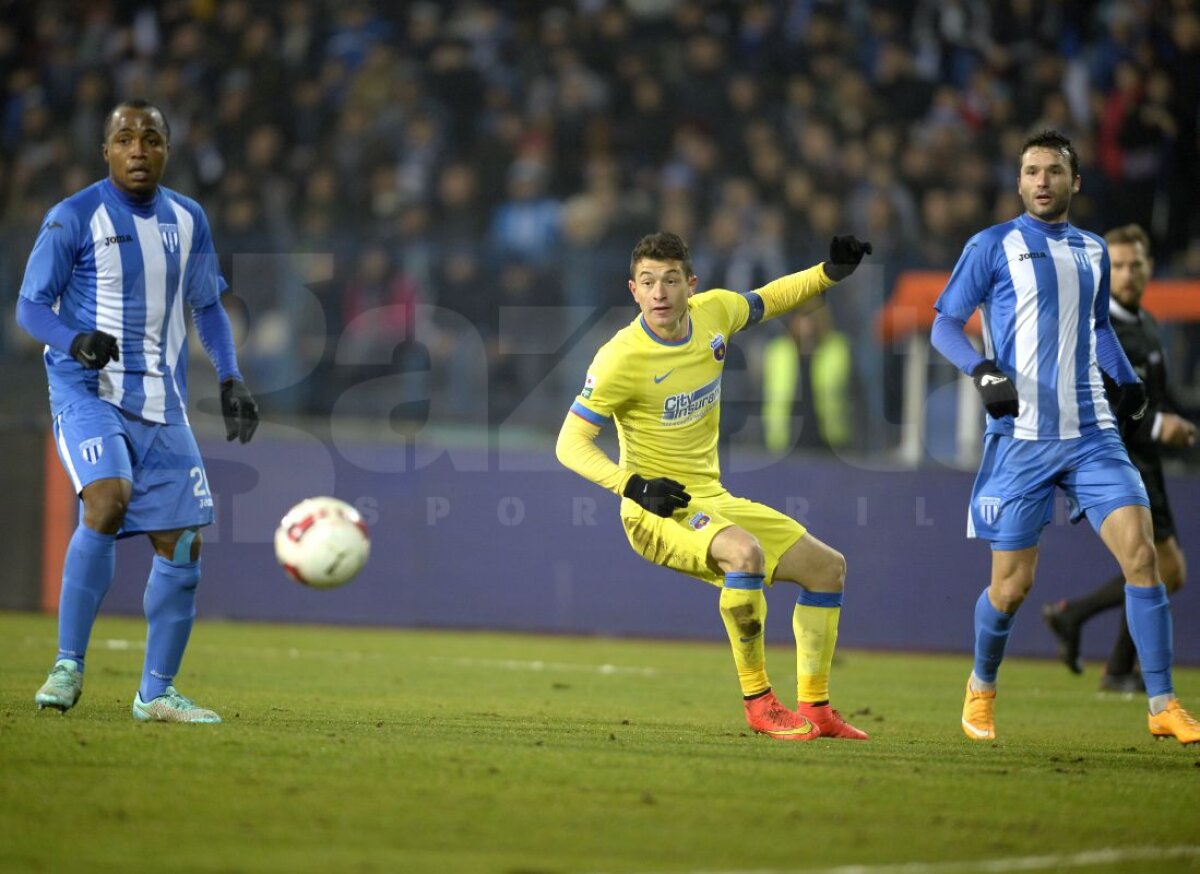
column 978, row 717
column 767, row 716
column 1175, row 722
column 830, row 721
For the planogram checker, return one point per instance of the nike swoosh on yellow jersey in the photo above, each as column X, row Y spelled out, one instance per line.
column 659, row 379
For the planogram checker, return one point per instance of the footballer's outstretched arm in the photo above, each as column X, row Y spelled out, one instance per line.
column 577, row 450
column 788, row 292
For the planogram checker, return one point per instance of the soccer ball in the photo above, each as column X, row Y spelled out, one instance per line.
column 322, row 543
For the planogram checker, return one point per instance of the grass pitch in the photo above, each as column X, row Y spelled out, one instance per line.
column 366, row 750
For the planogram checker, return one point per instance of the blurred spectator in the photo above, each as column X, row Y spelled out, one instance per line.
column 499, row 152
column 807, row 382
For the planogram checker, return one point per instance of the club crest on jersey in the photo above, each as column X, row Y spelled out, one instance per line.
column 589, row 385
column 718, row 347
column 698, row 521
column 1081, row 257
column 91, row 449
column 989, row 509
column 170, row 236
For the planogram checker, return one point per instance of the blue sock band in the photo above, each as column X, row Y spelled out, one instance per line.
column 991, row 636
column 87, row 573
column 1148, row 612
column 170, row 605
column 819, row 599
column 183, row 547
column 738, row 580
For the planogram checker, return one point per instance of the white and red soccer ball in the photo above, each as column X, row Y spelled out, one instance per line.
column 322, row 543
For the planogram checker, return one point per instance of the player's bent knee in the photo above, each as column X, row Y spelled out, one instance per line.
column 104, row 506
column 739, row 552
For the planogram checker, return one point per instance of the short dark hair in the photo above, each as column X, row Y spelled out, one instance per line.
column 1128, row 235
column 135, row 103
column 662, row 246
column 1052, row 139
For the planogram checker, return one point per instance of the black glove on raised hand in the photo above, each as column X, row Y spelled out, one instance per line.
column 1132, row 402
column 845, row 253
column 239, row 409
column 95, row 349
column 998, row 392
column 660, row 495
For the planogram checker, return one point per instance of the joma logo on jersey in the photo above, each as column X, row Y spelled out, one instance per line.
column 989, row 509
column 1027, row 256
column 91, row 449
column 119, row 238
column 170, row 236
column 718, row 347
column 688, row 405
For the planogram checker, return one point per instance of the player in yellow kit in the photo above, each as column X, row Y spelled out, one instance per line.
column 659, row 379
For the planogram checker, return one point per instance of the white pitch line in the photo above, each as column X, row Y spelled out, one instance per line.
column 1057, row 862
column 354, row 655
column 539, row 665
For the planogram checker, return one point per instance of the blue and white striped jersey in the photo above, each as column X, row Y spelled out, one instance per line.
column 110, row 263
column 1042, row 290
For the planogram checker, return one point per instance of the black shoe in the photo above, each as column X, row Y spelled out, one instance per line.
column 1125, row 684
column 1067, row 633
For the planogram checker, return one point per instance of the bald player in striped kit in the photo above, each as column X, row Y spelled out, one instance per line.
column 104, row 289
column 1042, row 286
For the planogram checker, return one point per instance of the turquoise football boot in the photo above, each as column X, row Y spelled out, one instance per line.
column 62, row 688
column 171, row 707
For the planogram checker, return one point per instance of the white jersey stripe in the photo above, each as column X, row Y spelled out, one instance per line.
column 1103, row 413
column 155, row 268
column 110, row 302
column 66, row 455
column 1067, row 278
column 1025, row 326
column 177, row 328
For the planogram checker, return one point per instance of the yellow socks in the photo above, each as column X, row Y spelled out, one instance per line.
column 744, row 612
column 815, row 623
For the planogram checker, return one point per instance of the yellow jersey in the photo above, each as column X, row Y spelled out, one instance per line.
column 665, row 395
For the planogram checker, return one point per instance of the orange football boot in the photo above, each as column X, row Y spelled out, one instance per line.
column 1177, row 723
column 767, row 716
column 830, row 721
column 978, row 718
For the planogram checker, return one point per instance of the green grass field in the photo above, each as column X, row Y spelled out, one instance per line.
column 356, row 750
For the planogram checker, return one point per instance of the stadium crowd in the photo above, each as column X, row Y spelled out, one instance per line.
column 384, row 178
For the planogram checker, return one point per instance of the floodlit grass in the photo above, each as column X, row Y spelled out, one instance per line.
column 379, row 750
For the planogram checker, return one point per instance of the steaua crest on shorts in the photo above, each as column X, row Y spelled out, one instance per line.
column 718, row 347
column 698, row 521
column 989, row 509
column 589, row 383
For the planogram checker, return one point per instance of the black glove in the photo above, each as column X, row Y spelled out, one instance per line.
column 844, row 255
column 998, row 392
column 1130, row 408
column 95, row 349
column 660, row 495
column 239, row 409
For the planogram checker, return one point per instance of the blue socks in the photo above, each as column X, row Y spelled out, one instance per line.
column 1149, row 615
column 87, row 573
column 991, row 635
column 170, row 605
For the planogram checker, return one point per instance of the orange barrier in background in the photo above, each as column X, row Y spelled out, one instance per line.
column 59, row 514
column 910, row 307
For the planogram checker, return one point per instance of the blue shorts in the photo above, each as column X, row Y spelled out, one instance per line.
column 97, row 440
column 1013, row 498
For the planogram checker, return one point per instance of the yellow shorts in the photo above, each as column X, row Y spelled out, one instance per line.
column 681, row 542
